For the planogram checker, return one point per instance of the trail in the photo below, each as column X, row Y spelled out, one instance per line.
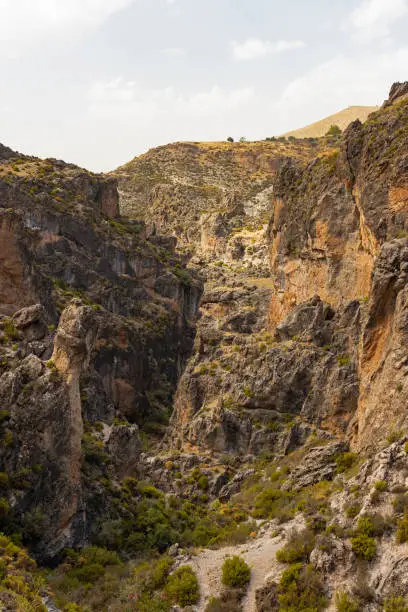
column 259, row 553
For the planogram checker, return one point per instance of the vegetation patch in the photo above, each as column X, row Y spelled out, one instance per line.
column 301, row 588
column 182, row 587
column 235, row 572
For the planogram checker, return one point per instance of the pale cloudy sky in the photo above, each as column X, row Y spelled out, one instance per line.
column 97, row 82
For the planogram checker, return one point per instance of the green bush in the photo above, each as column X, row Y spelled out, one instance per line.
column 353, row 510
column 365, row 526
column 345, row 603
column 364, row 546
column 301, row 590
column 345, row 461
column 182, row 587
column 235, row 572
column 334, row 132
column 273, row 503
column 402, row 530
column 395, row 604
column 202, row 483
column 298, row 547
column 380, row 485
column 160, row 572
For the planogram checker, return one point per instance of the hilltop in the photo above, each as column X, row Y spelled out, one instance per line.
column 343, row 119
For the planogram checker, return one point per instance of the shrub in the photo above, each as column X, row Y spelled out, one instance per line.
column 230, row 599
column 334, row 131
column 273, row 503
column 380, row 485
column 298, row 547
column 342, row 360
column 394, row 436
column 345, row 603
column 160, row 572
column 352, row 511
column 316, row 523
column 4, row 480
column 345, row 461
column 364, row 546
column 202, row 483
column 400, row 503
column 402, row 530
column 235, row 572
column 10, row 330
column 4, row 508
column 300, row 589
column 365, row 526
column 151, row 576
column 182, row 587
column 395, row 604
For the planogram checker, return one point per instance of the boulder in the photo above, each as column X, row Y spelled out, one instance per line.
column 306, row 322
column 124, row 447
column 318, row 464
column 31, row 321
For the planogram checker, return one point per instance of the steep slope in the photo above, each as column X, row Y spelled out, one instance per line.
column 300, row 352
column 294, row 353
column 96, row 324
column 268, row 351
column 342, row 119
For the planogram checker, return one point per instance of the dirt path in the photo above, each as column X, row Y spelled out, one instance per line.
column 259, row 553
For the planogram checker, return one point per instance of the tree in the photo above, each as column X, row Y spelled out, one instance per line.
column 235, row 572
column 334, row 131
column 242, row 139
column 230, row 139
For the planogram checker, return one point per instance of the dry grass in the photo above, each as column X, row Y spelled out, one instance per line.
column 343, row 118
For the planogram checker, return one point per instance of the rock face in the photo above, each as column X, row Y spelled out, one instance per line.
column 110, row 382
column 96, row 323
column 302, row 318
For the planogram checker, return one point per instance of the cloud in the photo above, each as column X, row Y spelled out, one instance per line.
column 24, row 22
column 132, row 118
column 374, row 18
column 126, row 100
column 173, row 51
column 254, row 48
column 341, row 82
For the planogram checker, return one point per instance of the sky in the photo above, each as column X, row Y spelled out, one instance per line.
column 96, row 82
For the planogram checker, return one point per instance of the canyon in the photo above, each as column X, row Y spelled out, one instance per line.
column 206, row 348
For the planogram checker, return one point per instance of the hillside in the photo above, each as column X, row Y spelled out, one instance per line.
column 301, row 250
column 203, row 355
column 343, row 119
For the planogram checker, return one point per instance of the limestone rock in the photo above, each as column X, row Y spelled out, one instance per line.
column 124, row 447
column 398, row 90
column 234, row 486
column 307, row 322
column 318, row 465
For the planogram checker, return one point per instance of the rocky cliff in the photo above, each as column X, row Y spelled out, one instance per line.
column 203, row 354
column 97, row 321
column 301, row 247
